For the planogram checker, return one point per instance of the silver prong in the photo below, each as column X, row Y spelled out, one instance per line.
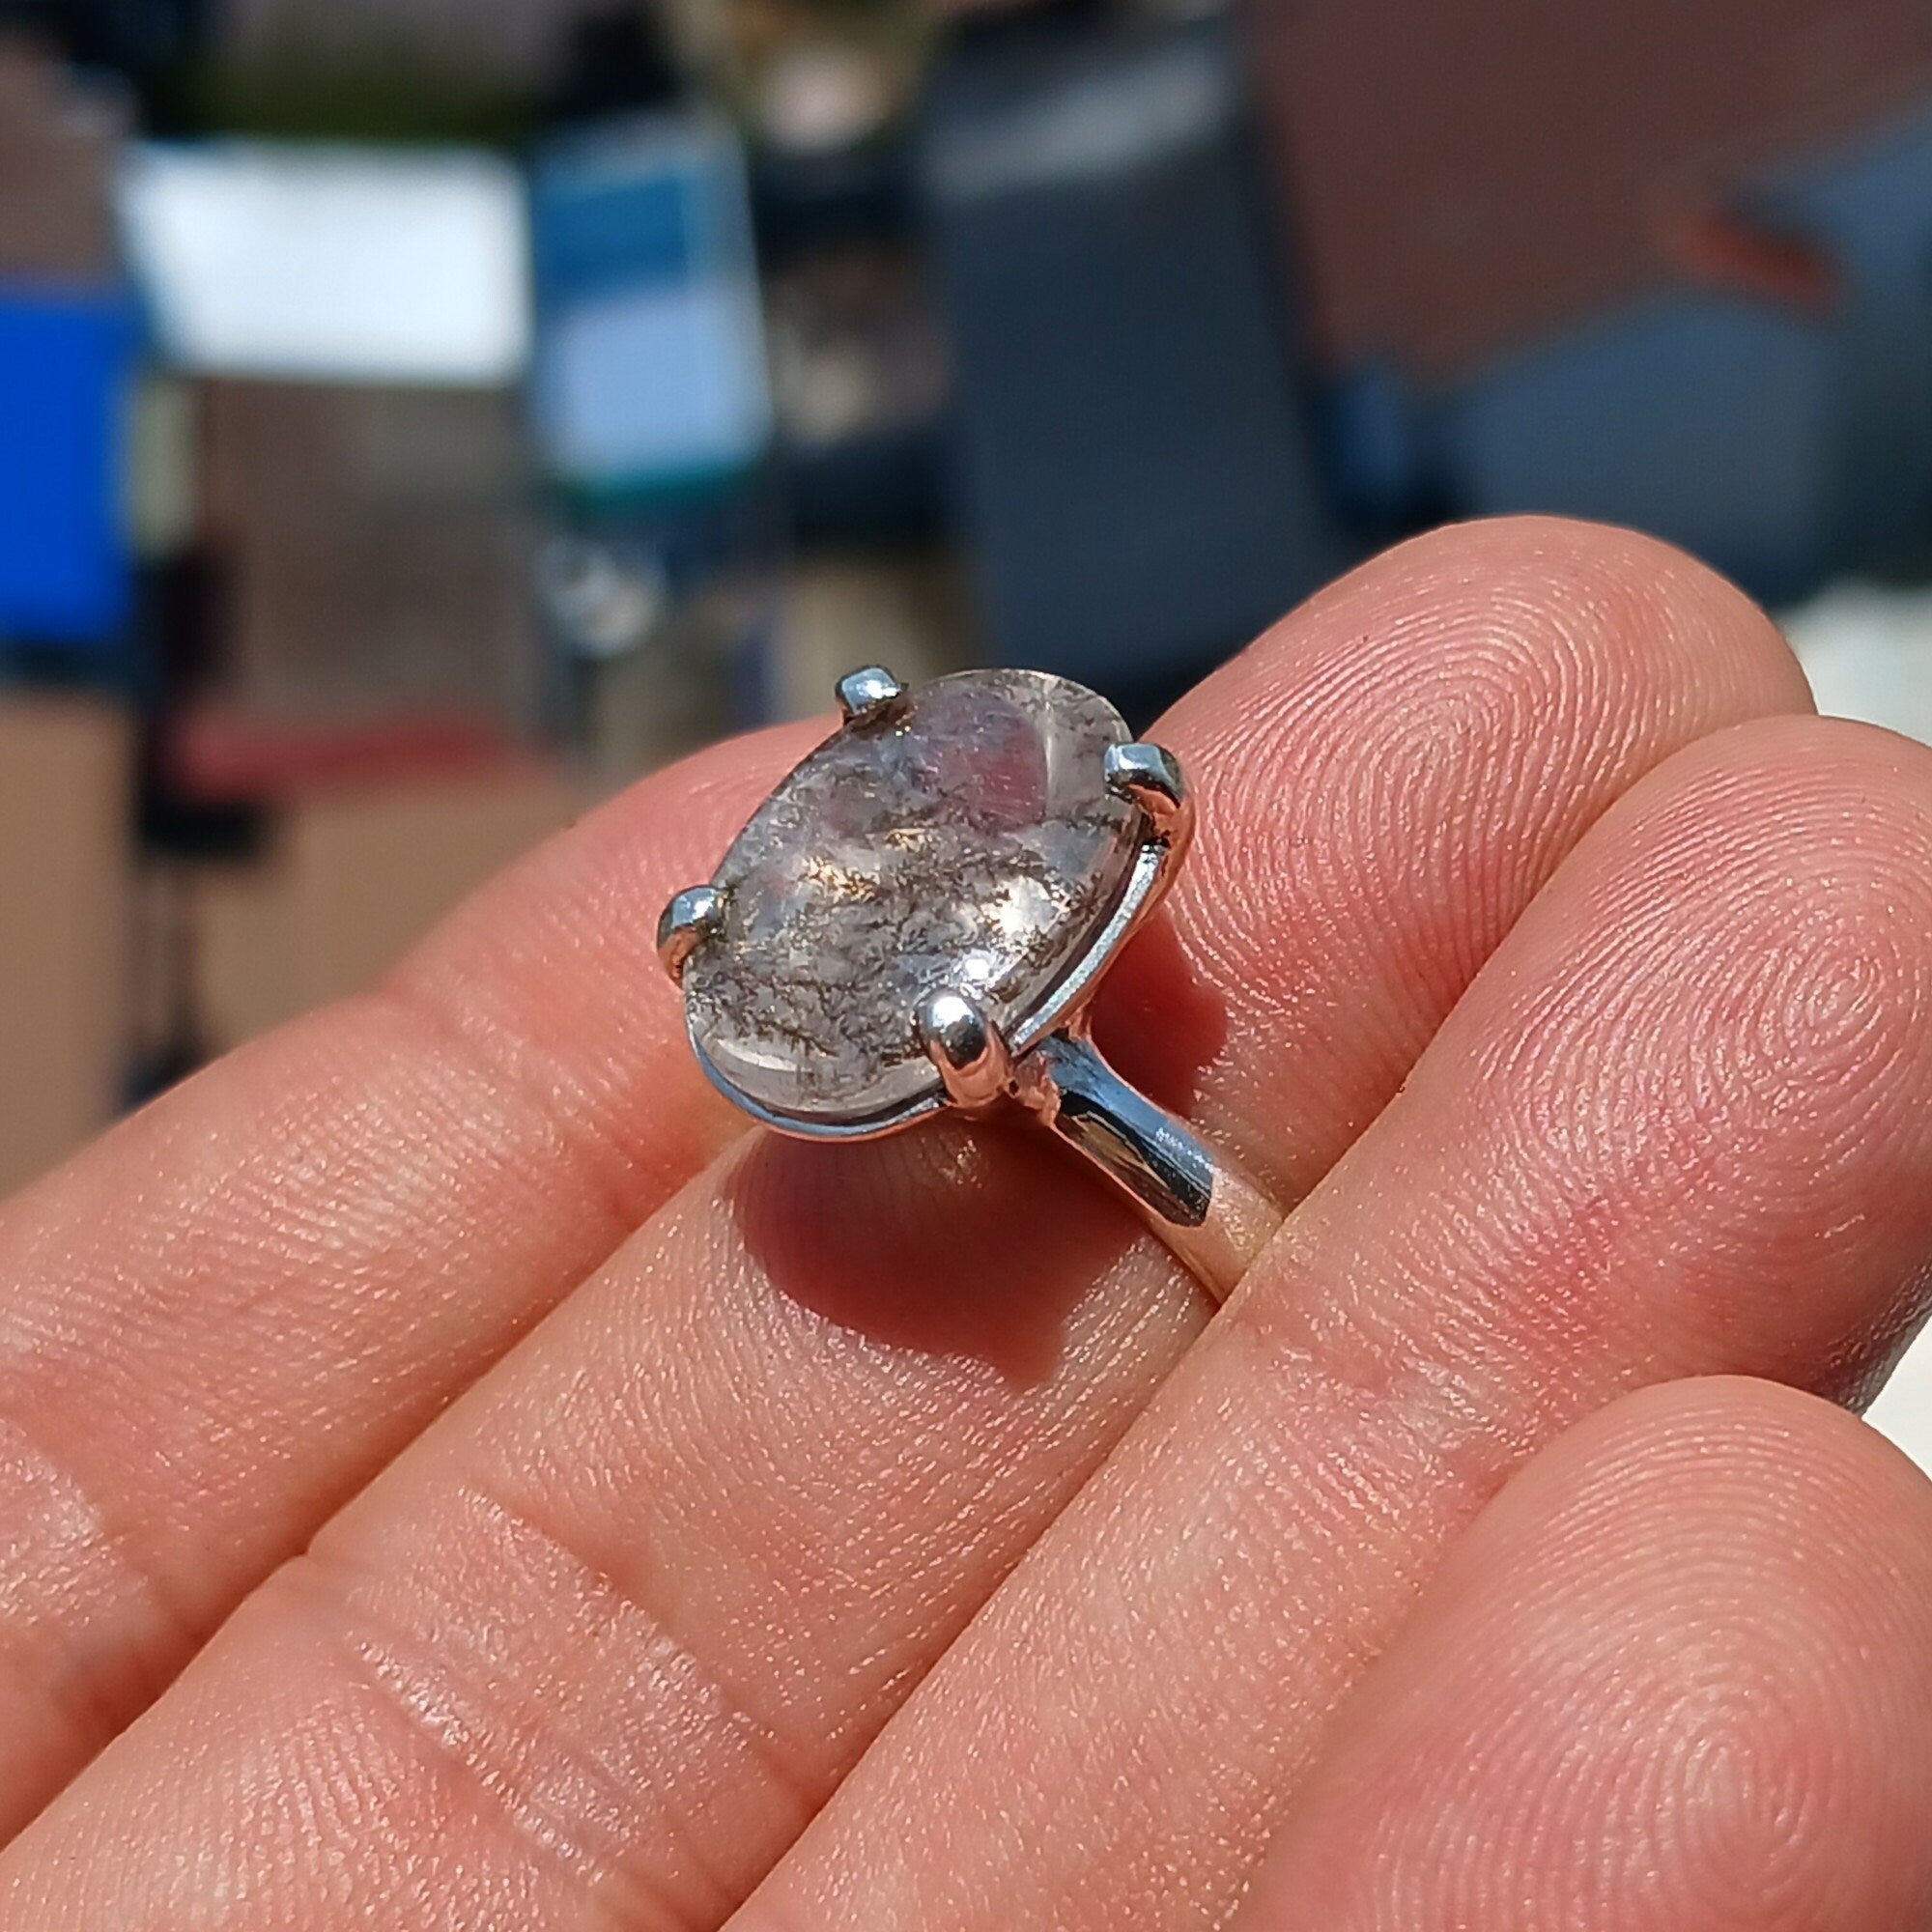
column 870, row 697
column 1149, row 775
column 962, row 1041
column 690, row 918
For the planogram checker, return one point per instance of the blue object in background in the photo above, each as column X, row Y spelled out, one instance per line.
column 1713, row 422
column 649, row 370
column 65, row 363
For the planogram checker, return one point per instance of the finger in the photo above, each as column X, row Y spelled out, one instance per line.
column 1677, row 1676
column 217, row 1323
column 620, row 1623
column 1679, row 1125
column 1384, row 783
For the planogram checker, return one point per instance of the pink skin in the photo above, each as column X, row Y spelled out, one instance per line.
column 1678, row 1125
column 594, row 1650
column 223, row 1319
column 1676, row 1678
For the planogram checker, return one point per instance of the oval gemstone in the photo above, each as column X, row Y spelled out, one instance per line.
column 969, row 841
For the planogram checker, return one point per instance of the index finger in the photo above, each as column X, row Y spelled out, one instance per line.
column 217, row 1323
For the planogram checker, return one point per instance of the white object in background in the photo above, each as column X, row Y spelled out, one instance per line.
column 1867, row 651
column 653, row 381
column 1903, row 1410
column 331, row 264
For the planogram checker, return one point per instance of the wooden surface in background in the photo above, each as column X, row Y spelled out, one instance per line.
column 65, row 872
column 349, row 883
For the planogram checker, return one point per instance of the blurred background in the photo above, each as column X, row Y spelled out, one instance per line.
column 420, row 416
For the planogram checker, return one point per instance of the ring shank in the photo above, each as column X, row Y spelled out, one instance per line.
column 1214, row 1219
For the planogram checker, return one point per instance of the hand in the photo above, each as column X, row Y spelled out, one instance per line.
column 1590, row 981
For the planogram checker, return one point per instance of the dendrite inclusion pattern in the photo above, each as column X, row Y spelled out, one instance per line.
column 971, row 842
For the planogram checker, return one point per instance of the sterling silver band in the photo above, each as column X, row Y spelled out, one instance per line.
column 1212, row 1217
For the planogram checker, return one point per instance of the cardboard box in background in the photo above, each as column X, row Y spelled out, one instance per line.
column 349, row 883
column 66, row 779
column 374, row 549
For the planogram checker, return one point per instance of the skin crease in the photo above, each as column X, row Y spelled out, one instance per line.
column 1676, row 1678
column 225, row 1317
column 1678, row 1125
column 593, row 1651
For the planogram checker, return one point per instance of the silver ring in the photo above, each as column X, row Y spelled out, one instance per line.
column 917, row 920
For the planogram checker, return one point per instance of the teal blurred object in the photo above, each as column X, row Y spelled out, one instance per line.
column 649, row 377
column 66, row 369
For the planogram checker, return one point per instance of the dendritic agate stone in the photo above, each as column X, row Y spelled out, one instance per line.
column 970, row 843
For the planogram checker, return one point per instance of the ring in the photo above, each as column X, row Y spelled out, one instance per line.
column 917, row 920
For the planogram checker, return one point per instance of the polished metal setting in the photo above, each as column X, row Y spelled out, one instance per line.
column 870, row 697
column 963, row 1041
column 1159, row 1162
column 1149, row 775
column 1042, row 1059
column 686, row 922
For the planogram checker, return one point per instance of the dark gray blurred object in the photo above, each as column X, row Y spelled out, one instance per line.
column 1712, row 421
column 1138, row 474
column 59, row 143
column 1865, row 205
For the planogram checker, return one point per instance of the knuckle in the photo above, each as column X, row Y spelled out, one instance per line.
column 64, row 1548
column 588, row 1729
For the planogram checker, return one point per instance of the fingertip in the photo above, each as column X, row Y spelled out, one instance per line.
column 1390, row 774
column 1679, row 1668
